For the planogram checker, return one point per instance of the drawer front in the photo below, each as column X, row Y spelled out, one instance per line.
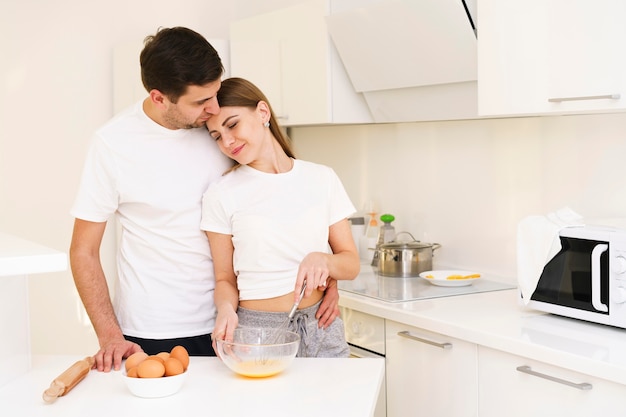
column 364, row 330
column 518, row 386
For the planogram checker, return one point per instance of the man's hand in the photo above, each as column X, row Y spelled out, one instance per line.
column 110, row 355
column 329, row 308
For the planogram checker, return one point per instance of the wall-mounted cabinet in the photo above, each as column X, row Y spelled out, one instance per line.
column 361, row 61
column 412, row 60
column 288, row 54
column 395, row 44
column 551, row 57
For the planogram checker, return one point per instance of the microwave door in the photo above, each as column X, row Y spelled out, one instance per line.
column 577, row 277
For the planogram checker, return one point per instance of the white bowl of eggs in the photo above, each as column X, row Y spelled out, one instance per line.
column 155, row 376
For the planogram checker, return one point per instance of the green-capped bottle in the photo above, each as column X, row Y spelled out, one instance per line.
column 386, row 234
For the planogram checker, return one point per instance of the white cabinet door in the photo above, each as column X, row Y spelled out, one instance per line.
column 516, row 386
column 557, row 56
column 429, row 374
column 289, row 55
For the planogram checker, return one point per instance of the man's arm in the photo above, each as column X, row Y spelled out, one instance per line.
column 94, row 292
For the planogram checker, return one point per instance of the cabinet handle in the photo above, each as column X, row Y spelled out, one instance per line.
column 606, row 96
column 528, row 370
column 408, row 335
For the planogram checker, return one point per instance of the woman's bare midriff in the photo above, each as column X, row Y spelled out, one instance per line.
column 282, row 303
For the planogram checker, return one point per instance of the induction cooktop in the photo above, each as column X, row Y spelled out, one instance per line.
column 392, row 289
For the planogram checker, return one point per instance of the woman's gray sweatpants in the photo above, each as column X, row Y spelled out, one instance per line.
column 315, row 342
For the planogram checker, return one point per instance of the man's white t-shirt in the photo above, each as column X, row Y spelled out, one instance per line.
column 153, row 178
column 275, row 221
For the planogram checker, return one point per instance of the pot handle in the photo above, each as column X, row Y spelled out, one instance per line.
column 407, row 233
column 435, row 246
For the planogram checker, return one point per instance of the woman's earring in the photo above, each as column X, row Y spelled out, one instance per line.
column 266, row 124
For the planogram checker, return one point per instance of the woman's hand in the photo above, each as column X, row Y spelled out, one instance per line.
column 225, row 325
column 315, row 270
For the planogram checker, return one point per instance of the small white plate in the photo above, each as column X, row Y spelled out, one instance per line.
column 450, row 278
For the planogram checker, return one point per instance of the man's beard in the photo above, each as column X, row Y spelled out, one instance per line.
column 174, row 120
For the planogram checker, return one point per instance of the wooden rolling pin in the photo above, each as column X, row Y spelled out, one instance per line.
column 68, row 379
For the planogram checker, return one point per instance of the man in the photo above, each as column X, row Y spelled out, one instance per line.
column 149, row 166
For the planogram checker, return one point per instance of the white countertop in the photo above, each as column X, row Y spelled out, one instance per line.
column 309, row 387
column 497, row 320
column 22, row 257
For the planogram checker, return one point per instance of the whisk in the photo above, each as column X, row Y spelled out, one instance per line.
column 273, row 338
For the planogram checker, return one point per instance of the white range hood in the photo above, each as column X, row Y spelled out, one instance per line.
column 412, row 59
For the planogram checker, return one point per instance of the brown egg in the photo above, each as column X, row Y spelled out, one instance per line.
column 163, row 355
column 173, row 367
column 151, row 368
column 135, row 359
column 132, row 372
column 180, row 353
column 156, row 358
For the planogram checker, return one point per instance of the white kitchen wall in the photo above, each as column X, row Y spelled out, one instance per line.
column 466, row 184
column 463, row 184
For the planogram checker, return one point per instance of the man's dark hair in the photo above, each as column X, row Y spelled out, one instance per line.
column 176, row 58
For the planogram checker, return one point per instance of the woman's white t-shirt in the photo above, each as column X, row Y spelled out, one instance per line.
column 275, row 220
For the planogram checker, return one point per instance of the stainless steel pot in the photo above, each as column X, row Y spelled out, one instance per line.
column 405, row 259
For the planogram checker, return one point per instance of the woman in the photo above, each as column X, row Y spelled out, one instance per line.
column 273, row 222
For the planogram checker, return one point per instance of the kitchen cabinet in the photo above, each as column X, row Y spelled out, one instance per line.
column 495, row 335
column 412, row 60
column 408, row 34
column 288, row 54
column 429, row 374
column 551, row 57
column 366, row 335
column 518, row 386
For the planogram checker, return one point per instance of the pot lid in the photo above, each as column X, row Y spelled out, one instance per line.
column 406, row 245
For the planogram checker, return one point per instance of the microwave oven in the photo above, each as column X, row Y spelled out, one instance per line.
column 586, row 279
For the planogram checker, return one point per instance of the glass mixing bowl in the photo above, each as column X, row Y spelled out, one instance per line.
column 259, row 352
